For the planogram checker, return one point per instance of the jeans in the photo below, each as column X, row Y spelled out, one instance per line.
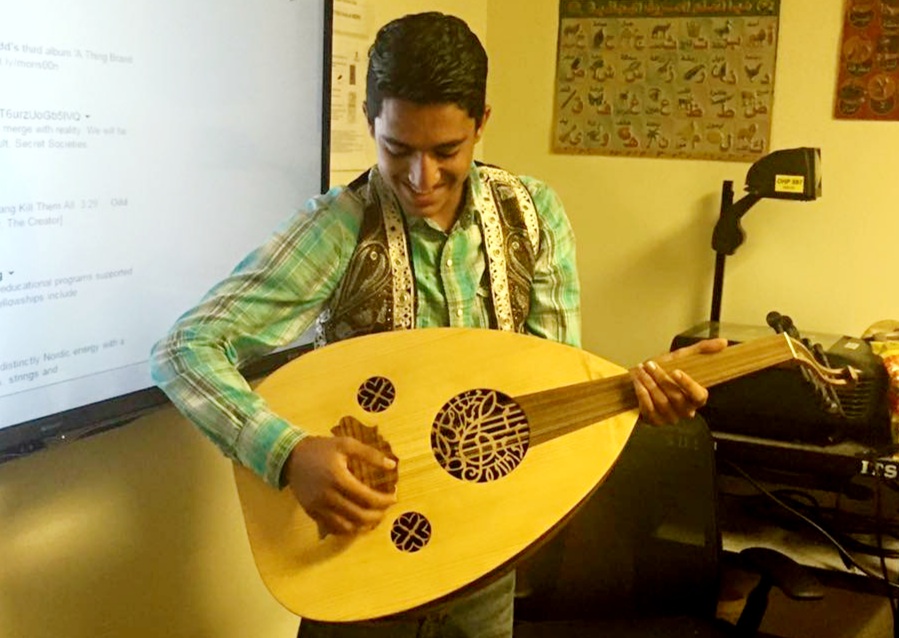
column 485, row 613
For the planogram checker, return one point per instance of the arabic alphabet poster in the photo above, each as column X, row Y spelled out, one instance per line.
column 869, row 61
column 689, row 79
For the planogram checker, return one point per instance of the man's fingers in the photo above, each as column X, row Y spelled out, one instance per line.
column 706, row 346
column 666, row 397
column 654, row 403
column 696, row 394
column 332, row 523
column 709, row 346
column 367, row 454
column 350, row 515
column 357, row 490
column 665, row 393
column 318, row 474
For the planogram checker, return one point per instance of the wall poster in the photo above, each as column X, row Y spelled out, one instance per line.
column 665, row 78
column 352, row 34
column 869, row 61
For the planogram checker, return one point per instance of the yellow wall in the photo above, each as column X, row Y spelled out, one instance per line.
column 137, row 532
column 644, row 226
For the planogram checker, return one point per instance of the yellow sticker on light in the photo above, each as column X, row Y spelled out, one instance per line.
column 789, row 184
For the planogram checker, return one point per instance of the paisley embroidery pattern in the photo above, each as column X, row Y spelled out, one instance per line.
column 377, row 292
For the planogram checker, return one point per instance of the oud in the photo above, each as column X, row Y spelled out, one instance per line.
column 498, row 437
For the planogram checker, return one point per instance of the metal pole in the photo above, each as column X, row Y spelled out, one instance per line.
column 727, row 200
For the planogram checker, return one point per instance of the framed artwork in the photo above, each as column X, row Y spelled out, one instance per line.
column 665, row 78
column 869, row 61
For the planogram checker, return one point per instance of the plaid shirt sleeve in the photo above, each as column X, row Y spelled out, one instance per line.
column 555, row 293
column 271, row 298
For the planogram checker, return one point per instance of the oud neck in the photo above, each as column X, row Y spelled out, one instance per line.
column 555, row 412
column 736, row 361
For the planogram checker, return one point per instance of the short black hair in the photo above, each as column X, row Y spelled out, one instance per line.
column 427, row 58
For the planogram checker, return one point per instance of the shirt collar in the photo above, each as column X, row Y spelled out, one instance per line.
column 470, row 213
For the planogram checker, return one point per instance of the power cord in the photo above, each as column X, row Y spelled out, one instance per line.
column 844, row 554
column 879, row 519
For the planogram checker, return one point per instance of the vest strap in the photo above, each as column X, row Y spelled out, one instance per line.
column 377, row 293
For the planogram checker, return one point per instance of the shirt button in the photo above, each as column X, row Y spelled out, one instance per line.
column 449, row 262
column 459, row 312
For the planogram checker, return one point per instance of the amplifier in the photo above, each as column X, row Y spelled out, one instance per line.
column 779, row 403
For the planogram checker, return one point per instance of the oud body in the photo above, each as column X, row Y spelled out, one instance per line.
column 456, row 521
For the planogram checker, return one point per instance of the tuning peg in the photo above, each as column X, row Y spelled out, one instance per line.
column 773, row 319
column 786, row 326
column 830, row 402
column 782, row 324
column 790, row 327
column 820, row 354
column 831, row 398
column 826, row 394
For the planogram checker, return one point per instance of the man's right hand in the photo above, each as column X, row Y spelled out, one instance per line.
column 318, row 475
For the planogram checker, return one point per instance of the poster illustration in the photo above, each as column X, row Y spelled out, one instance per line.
column 352, row 31
column 665, row 78
column 869, row 61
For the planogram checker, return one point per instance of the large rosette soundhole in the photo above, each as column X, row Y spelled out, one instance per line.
column 480, row 436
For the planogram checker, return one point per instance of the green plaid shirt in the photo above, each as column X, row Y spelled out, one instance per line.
column 276, row 293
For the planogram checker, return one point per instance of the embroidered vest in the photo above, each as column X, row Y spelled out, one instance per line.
column 377, row 292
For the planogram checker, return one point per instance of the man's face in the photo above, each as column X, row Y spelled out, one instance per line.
column 424, row 153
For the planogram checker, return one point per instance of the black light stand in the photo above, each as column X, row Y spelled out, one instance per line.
column 788, row 174
column 726, row 238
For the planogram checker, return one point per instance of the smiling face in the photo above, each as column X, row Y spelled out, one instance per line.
column 424, row 154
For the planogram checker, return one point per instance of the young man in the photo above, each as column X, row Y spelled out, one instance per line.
column 425, row 238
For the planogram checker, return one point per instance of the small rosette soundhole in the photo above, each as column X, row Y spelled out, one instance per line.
column 410, row 532
column 480, row 436
column 376, row 394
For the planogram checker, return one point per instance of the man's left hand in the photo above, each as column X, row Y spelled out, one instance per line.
column 667, row 397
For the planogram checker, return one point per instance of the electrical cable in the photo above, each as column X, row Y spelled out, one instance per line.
column 844, row 554
column 837, row 522
column 879, row 519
